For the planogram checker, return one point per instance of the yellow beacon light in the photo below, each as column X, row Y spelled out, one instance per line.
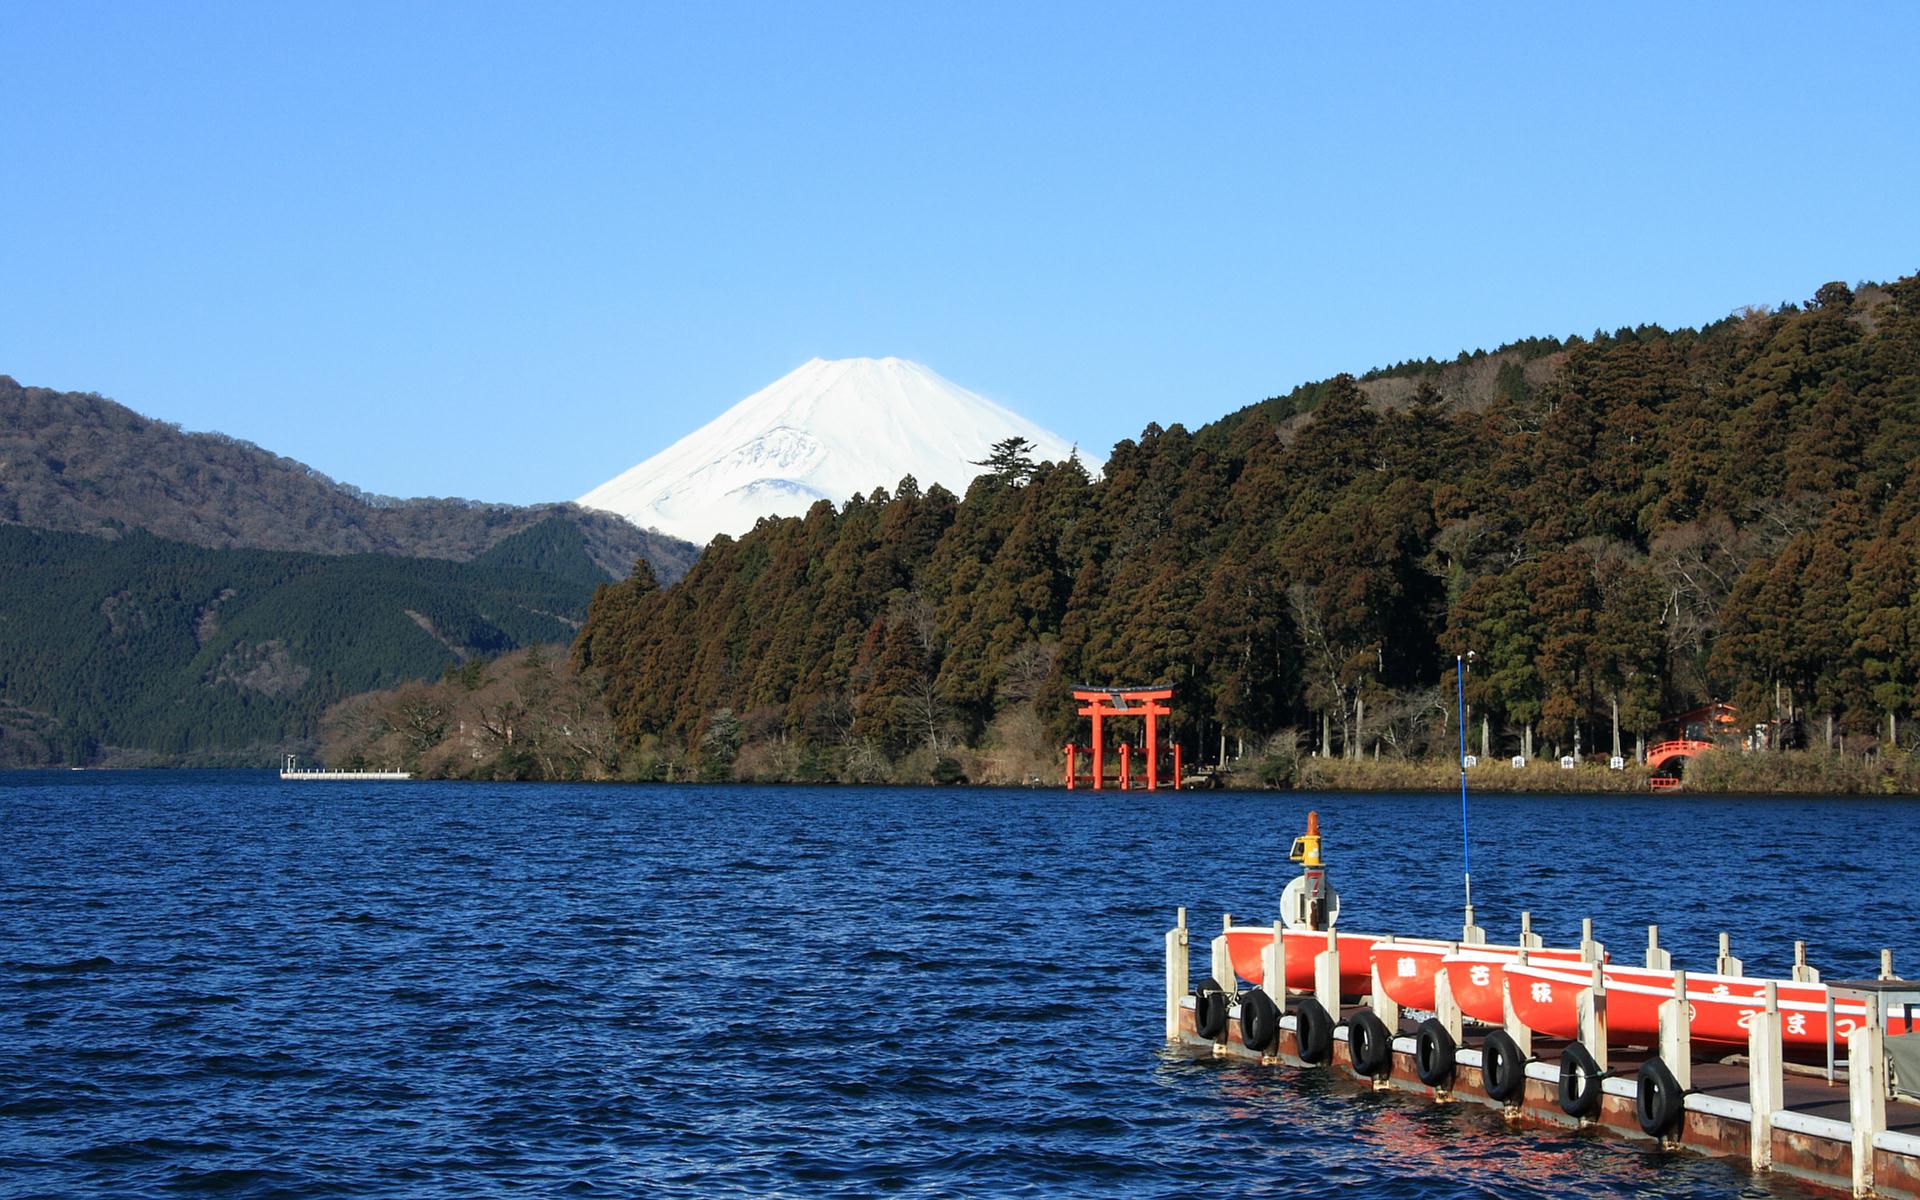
column 1306, row 847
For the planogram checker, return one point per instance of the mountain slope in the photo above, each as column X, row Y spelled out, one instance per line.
column 554, row 547
column 827, row 430
column 1653, row 520
column 184, row 653
column 82, row 464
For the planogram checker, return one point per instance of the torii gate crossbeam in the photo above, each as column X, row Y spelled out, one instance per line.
column 1100, row 703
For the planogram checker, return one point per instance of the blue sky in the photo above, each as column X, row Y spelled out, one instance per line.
column 507, row 252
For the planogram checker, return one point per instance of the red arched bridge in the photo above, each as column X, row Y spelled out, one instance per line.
column 1662, row 753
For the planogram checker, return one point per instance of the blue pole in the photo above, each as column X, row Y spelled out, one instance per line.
column 1466, row 855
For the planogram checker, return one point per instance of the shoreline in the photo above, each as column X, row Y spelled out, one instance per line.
column 1338, row 777
column 1713, row 773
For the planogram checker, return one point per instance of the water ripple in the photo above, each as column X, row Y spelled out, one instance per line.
column 218, row 985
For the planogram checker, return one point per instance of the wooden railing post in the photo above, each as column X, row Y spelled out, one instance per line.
column 1516, row 1029
column 1446, row 1009
column 1326, row 975
column 1676, row 1033
column 1274, row 966
column 1866, row 1093
column 1221, row 965
column 1727, row 964
column 1802, row 973
column 1657, row 958
column 1766, row 1079
column 1590, row 950
column 1178, row 963
column 1591, row 1010
column 1383, row 1005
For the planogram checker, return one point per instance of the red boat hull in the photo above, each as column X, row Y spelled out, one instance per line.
column 1247, row 945
column 1479, row 979
column 1546, row 989
column 1408, row 969
column 1720, row 1007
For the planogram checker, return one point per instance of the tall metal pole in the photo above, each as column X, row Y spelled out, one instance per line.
column 1466, row 854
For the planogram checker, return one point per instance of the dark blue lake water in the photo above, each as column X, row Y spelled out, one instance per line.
column 219, row 984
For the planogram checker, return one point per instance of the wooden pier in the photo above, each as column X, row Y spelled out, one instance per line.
column 309, row 773
column 1846, row 1134
column 290, row 769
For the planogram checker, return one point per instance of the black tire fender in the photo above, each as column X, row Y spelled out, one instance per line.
column 1657, row 1098
column 1313, row 1030
column 1369, row 1045
column 1209, row 1010
column 1503, row 1069
column 1580, row 1079
column 1259, row 1021
column 1433, row 1054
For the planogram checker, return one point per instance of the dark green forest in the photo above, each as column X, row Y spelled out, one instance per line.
column 1634, row 522
column 142, row 647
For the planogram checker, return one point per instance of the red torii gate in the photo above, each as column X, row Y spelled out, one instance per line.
column 1101, row 703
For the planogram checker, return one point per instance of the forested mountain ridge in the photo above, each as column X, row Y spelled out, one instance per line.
column 80, row 463
column 139, row 648
column 1639, row 521
column 1474, row 379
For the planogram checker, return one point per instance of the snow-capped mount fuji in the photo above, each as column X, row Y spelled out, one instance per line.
column 827, row 430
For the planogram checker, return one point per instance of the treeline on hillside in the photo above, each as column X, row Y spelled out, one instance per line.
column 525, row 715
column 80, row 463
column 1635, row 522
column 139, row 648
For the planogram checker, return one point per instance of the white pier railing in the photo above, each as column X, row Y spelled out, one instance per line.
column 291, row 769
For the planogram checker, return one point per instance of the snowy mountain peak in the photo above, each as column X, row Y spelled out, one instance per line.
column 830, row 429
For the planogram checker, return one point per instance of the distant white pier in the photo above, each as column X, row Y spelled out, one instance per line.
column 291, row 769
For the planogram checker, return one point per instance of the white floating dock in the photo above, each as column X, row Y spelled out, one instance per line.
column 346, row 774
column 291, row 769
